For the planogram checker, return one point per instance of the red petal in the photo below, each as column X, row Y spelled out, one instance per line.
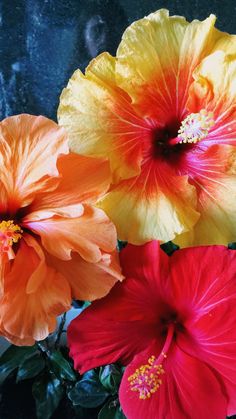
column 189, row 389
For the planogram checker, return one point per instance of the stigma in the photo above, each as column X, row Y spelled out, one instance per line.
column 146, row 379
column 195, row 127
column 10, row 233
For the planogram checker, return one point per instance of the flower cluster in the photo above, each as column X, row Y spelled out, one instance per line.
column 145, row 151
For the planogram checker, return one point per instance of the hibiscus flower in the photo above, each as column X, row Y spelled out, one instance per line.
column 172, row 323
column 163, row 113
column 54, row 244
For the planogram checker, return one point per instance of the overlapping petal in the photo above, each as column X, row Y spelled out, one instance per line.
column 50, row 226
column 29, row 315
column 86, row 231
column 89, row 281
column 182, row 300
column 29, row 148
column 82, row 179
column 155, row 204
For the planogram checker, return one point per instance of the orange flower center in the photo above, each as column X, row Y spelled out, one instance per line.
column 195, row 127
column 10, row 233
column 147, row 378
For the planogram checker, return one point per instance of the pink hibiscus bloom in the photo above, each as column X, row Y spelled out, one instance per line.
column 172, row 322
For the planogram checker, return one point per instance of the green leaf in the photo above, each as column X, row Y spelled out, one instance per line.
column 111, row 410
column 61, row 367
column 169, row 248
column 121, row 245
column 12, row 358
column 47, row 391
column 110, row 377
column 88, row 393
column 30, row 367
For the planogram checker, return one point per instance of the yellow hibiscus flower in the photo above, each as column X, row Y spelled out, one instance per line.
column 163, row 112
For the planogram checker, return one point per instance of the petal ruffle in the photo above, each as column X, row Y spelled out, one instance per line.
column 29, row 148
column 87, row 233
column 156, row 59
column 26, row 317
column 82, row 179
column 127, row 320
column 89, row 281
column 184, row 392
column 214, row 89
column 217, row 208
column 156, row 205
column 100, row 119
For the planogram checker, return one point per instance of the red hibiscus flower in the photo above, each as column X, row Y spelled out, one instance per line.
column 172, row 322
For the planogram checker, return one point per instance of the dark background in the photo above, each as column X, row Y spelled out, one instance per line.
column 43, row 41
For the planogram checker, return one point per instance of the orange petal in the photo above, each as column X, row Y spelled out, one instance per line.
column 26, row 317
column 82, row 179
column 29, row 149
column 86, row 234
column 89, row 281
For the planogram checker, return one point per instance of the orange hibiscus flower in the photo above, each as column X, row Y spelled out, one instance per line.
column 54, row 244
column 163, row 113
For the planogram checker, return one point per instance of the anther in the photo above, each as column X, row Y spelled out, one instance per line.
column 195, row 127
column 10, row 233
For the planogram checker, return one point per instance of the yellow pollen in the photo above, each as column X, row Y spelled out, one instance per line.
column 10, row 233
column 146, row 379
column 195, row 127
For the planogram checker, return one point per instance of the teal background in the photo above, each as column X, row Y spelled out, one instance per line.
column 43, row 41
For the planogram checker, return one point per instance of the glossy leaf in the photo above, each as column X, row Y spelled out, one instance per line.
column 110, row 377
column 121, row 245
column 30, row 367
column 12, row 358
column 169, row 248
column 61, row 367
column 88, row 393
column 47, row 391
column 111, row 410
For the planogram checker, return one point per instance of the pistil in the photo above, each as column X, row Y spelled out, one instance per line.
column 10, row 233
column 194, row 128
column 147, row 378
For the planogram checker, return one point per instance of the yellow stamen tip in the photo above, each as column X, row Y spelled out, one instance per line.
column 10, row 233
column 195, row 127
column 146, row 379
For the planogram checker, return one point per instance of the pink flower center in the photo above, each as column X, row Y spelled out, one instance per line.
column 147, row 378
column 194, row 128
column 10, row 233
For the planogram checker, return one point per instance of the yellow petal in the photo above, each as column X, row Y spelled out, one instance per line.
column 214, row 86
column 99, row 118
column 142, row 210
column 216, row 191
column 217, row 222
column 156, row 58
